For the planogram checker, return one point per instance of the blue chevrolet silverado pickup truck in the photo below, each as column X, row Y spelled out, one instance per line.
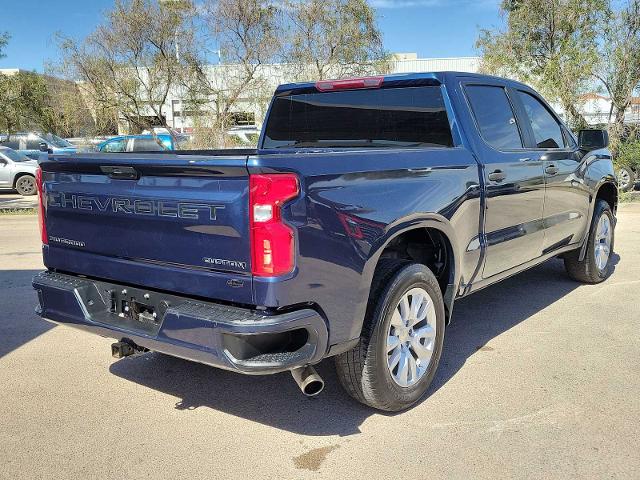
column 369, row 207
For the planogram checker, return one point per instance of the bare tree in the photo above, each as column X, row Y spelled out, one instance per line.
column 248, row 34
column 334, row 38
column 131, row 62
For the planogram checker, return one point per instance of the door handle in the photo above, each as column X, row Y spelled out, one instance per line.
column 551, row 169
column 497, row 176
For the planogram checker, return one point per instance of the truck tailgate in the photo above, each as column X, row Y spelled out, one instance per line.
column 166, row 221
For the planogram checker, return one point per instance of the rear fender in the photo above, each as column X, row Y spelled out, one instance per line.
column 413, row 222
column 598, row 172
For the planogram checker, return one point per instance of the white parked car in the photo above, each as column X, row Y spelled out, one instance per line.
column 17, row 171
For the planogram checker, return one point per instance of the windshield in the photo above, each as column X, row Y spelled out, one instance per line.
column 56, row 141
column 387, row 118
column 13, row 155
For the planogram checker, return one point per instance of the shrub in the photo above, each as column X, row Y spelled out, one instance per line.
column 628, row 154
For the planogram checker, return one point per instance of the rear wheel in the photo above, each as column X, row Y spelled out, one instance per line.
column 596, row 265
column 26, row 185
column 626, row 179
column 397, row 356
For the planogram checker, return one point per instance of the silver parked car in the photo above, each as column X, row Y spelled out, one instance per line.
column 17, row 171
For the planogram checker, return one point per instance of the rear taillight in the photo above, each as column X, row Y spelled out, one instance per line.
column 349, row 84
column 272, row 240
column 41, row 224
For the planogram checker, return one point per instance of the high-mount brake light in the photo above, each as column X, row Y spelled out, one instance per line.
column 41, row 218
column 272, row 240
column 349, row 84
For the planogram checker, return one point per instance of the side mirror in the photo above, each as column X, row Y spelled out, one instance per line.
column 43, row 147
column 592, row 139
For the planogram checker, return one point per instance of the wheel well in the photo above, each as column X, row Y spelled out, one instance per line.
column 20, row 175
column 609, row 193
column 428, row 246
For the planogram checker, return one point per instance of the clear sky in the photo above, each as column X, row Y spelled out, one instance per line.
column 431, row 28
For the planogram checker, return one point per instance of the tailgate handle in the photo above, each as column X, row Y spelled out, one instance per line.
column 120, row 173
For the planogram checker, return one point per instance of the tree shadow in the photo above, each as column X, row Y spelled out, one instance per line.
column 276, row 401
column 19, row 323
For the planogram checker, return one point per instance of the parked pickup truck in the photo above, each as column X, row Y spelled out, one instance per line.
column 370, row 206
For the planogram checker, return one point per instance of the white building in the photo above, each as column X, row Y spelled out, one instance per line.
column 597, row 110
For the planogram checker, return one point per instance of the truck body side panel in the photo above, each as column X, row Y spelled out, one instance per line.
column 353, row 204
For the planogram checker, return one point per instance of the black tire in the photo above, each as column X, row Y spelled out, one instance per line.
column 587, row 271
column 26, row 185
column 626, row 179
column 363, row 371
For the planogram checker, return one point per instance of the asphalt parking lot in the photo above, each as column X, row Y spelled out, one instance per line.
column 540, row 378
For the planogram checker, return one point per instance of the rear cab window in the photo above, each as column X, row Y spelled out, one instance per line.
column 146, row 145
column 381, row 118
column 33, row 143
column 115, row 146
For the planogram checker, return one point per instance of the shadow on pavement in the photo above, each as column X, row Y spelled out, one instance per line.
column 486, row 314
column 276, row 401
column 18, row 322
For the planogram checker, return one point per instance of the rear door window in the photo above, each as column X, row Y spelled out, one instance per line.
column 546, row 129
column 494, row 115
column 386, row 117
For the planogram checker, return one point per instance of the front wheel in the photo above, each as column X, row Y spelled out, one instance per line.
column 26, row 185
column 394, row 363
column 596, row 265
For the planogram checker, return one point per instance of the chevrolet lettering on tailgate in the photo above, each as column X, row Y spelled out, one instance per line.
column 134, row 206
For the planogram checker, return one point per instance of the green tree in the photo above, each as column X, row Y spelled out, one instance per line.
column 4, row 40
column 23, row 101
column 333, row 38
column 550, row 44
column 23, row 98
column 619, row 68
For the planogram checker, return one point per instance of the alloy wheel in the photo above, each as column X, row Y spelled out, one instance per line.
column 602, row 243
column 411, row 337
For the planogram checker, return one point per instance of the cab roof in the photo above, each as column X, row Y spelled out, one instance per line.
column 397, row 80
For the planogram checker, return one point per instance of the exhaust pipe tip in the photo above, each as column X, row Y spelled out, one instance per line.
column 308, row 380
